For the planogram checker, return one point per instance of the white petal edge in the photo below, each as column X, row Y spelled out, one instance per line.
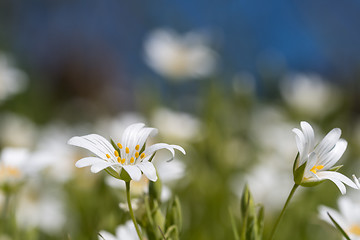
column 338, row 179
column 88, row 161
column 149, row 170
column 133, row 171
column 309, row 135
column 95, row 168
column 328, row 142
column 334, row 155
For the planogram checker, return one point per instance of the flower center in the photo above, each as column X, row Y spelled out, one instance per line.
column 355, row 229
column 315, row 168
column 129, row 158
column 9, row 172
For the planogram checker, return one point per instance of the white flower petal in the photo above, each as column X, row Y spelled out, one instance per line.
column 309, row 136
column 148, row 169
column 323, row 214
column 88, row 161
column 129, row 136
column 97, row 167
column 334, row 155
column 300, row 143
column 356, row 181
column 338, row 179
column 328, row 142
column 106, row 236
column 133, row 171
column 127, row 231
column 94, row 143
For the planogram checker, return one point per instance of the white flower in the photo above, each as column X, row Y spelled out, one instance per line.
column 13, row 165
column 179, row 57
column 17, row 131
column 348, row 218
column 41, row 208
column 320, row 158
column 176, row 125
column 133, row 156
column 309, row 93
column 123, row 232
column 12, row 80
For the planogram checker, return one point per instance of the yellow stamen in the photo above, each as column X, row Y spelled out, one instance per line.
column 355, row 229
column 116, row 153
column 107, row 155
column 123, row 161
column 119, row 145
column 137, row 154
column 137, row 147
column 132, row 160
column 127, row 150
column 142, row 155
column 10, row 171
column 119, row 159
column 315, row 168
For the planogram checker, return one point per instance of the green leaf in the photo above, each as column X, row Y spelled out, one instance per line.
column 336, row 168
column 338, row 227
column 112, row 172
column 124, row 175
column 233, row 225
column 260, row 222
column 295, row 162
column 299, row 174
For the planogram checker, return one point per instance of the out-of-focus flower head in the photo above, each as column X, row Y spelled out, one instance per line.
column 126, row 231
column 264, row 180
column 59, row 166
column 13, row 166
column 39, row 208
column 309, row 94
column 130, row 155
column 17, row 131
column 348, row 216
column 315, row 162
column 179, row 57
column 12, row 79
column 178, row 126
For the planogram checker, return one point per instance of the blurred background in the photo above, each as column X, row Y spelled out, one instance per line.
column 227, row 80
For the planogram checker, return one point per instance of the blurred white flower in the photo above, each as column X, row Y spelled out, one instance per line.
column 12, row 79
column 168, row 172
column 264, row 180
column 176, row 125
column 348, row 217
column 13, row 165
column 320, row 157
column 270, row 130
column 179, row 57
column 38, row 208
column 17, row 131
column 131, row 154
column 123, row 232
column 309, row 94
column 59, row 166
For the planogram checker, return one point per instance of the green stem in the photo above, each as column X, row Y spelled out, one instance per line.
column 283, row 210
column 131, row 210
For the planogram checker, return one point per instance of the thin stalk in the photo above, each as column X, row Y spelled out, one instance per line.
column 131, row 210
column 283, row 210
